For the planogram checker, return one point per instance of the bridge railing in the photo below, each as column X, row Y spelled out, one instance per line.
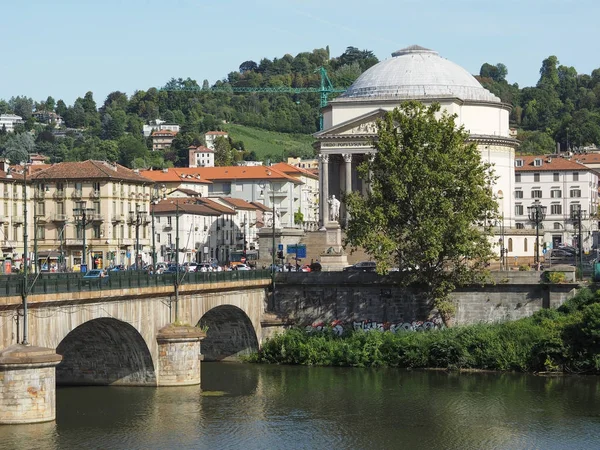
column 11, row 285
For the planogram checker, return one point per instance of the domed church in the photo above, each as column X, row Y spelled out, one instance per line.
column 413, row 73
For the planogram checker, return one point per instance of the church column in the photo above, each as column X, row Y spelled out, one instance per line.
column 324, row 191
column 348, row 188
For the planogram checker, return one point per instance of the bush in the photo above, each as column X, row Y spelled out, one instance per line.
column 550, row 340
column 555, row 277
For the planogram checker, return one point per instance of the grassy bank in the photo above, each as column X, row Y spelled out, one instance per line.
column 272, row 143
column 563, row 340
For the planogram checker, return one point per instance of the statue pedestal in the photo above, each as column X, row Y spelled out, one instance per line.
column 333, row 258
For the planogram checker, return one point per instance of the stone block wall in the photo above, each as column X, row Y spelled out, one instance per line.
column 179, row 363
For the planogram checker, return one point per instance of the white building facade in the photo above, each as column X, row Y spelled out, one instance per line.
column 9, row 121
column 563, row 186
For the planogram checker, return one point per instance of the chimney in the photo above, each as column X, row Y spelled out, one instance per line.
column 165, row 170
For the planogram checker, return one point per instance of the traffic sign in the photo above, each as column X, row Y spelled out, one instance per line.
column 280, row 247
column 301, row 251
column 292, row 248
column 544, row 251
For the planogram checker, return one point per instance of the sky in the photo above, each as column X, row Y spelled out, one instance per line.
column 65, row 48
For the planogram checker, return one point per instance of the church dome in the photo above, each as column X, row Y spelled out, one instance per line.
column 417, row 73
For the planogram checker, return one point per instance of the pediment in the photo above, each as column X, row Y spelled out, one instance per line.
column 365, row 125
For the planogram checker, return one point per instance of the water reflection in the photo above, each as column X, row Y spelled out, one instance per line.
column 311, row 407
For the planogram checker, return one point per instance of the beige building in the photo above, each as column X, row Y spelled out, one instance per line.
column 306, row 195
column 11, row 218
column 115, row 202
column 162, row 139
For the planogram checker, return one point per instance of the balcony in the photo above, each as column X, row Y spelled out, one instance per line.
column 117, row 218
column 96, row 217
column 59, row 217
column 59, row 195
column 39, row 194
column 6, row 244
column 167, row 227
column 76, row 195
column 17, row 219
column 74, row 242
column 40, row 218
column 94, row 194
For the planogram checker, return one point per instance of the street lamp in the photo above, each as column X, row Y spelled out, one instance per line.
column 81, row 216
column 537, row 214
column 577, row 216
column 137, row 218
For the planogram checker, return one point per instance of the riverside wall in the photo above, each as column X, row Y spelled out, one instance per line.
column 355, row 299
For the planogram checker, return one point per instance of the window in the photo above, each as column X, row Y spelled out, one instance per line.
column 40, row 232
column 169, row 239
column 555, row 193
column 96, row 207
column 555, row 209
column 518, row 194
column 60, row 187
column 60, row 208
column 518, row 210
column 574, row 209
column 510, row 249
column 169, row 221
column 96, row 187
column 537, row 162
column 557, row 226
column 517, row 177
column 575, row 176
column 78, row 187
column 556, row 176
column 518, row 163
column 158, row 237
column 40, row 209
column 79, row 231
column 536, row 177
column 575, row 193
column 536, row 193
column 520, row 226
column 96, row 232
column 525, row 244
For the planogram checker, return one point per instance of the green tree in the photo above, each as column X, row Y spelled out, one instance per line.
column 536, row 143
column 19, row 147
column 429, row 207
column 22, row 106
column 224, row 154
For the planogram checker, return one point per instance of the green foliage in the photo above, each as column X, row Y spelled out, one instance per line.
column 429, row 206
column 298, row 217
column 18, row 147
column 567, row 339
column 556, row 277
column 524, row 268
column 224, row 154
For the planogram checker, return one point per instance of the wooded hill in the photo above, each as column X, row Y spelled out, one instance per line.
column 563, row 107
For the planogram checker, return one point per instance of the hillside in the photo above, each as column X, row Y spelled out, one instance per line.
column 271, row 144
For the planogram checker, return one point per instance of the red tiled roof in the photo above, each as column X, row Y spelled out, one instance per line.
column 176, row 176
column 288, row 168
column 548, row 164
column 164, row 133
column 261, row 206
column 237, row 173
column 186, row 206
column 201, row 149
column 238, row 203
column 217, row 133
column 86, row 170
column 588, row 158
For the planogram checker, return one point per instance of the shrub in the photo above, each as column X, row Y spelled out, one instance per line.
column 555, row 277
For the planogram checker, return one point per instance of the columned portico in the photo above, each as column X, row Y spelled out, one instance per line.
column 348, row 178
column 324, row 191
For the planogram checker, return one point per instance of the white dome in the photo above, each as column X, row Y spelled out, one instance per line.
column 416, row 73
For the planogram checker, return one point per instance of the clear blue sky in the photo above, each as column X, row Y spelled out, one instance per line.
column 65, row 48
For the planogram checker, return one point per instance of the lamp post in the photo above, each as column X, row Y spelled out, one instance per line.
column 137, row 218
column 577, row 216
column 537, row 214
column 81, row 215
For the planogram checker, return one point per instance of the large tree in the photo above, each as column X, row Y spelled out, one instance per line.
column 429, row 207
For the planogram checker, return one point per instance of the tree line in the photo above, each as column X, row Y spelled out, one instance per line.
column 563, row 107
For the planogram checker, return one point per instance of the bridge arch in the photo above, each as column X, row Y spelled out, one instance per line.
column 105, row 351
column 230, row 334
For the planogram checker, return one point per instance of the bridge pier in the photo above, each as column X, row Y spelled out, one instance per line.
column 27, row 384
column 179, row 355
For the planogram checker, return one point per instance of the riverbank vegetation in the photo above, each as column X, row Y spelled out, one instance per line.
column 563, row 340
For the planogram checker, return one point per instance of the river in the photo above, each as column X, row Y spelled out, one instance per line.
column 279, row 407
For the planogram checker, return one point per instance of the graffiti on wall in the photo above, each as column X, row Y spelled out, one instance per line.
column 338, row 327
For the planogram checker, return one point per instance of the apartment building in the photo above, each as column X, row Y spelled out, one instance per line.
column 564, row 186
column 9, row 121
column 162, row 139
column 211, row 136
column 306, row 194
column 11, row 217
column 201, row 156
column 104, row 203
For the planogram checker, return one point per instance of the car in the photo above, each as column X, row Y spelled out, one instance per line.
column 559, row 256
column 363, row 266
column 242, row 267
column 305, row 268
column 95, row 273
column 190, row 266
column 95, row 276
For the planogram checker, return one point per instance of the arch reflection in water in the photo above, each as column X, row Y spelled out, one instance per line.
column 229, row 334
column 105, row 352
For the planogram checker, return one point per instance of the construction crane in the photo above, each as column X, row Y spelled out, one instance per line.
column 324, row 90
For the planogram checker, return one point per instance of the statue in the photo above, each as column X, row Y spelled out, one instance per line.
column 268, row 219
column 334, row 209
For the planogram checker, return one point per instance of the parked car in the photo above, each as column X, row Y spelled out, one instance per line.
column 190, row 266
column 242, row 267
column 95, row 277
column 363, row 266
column 559, row 256
column 305, row 268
